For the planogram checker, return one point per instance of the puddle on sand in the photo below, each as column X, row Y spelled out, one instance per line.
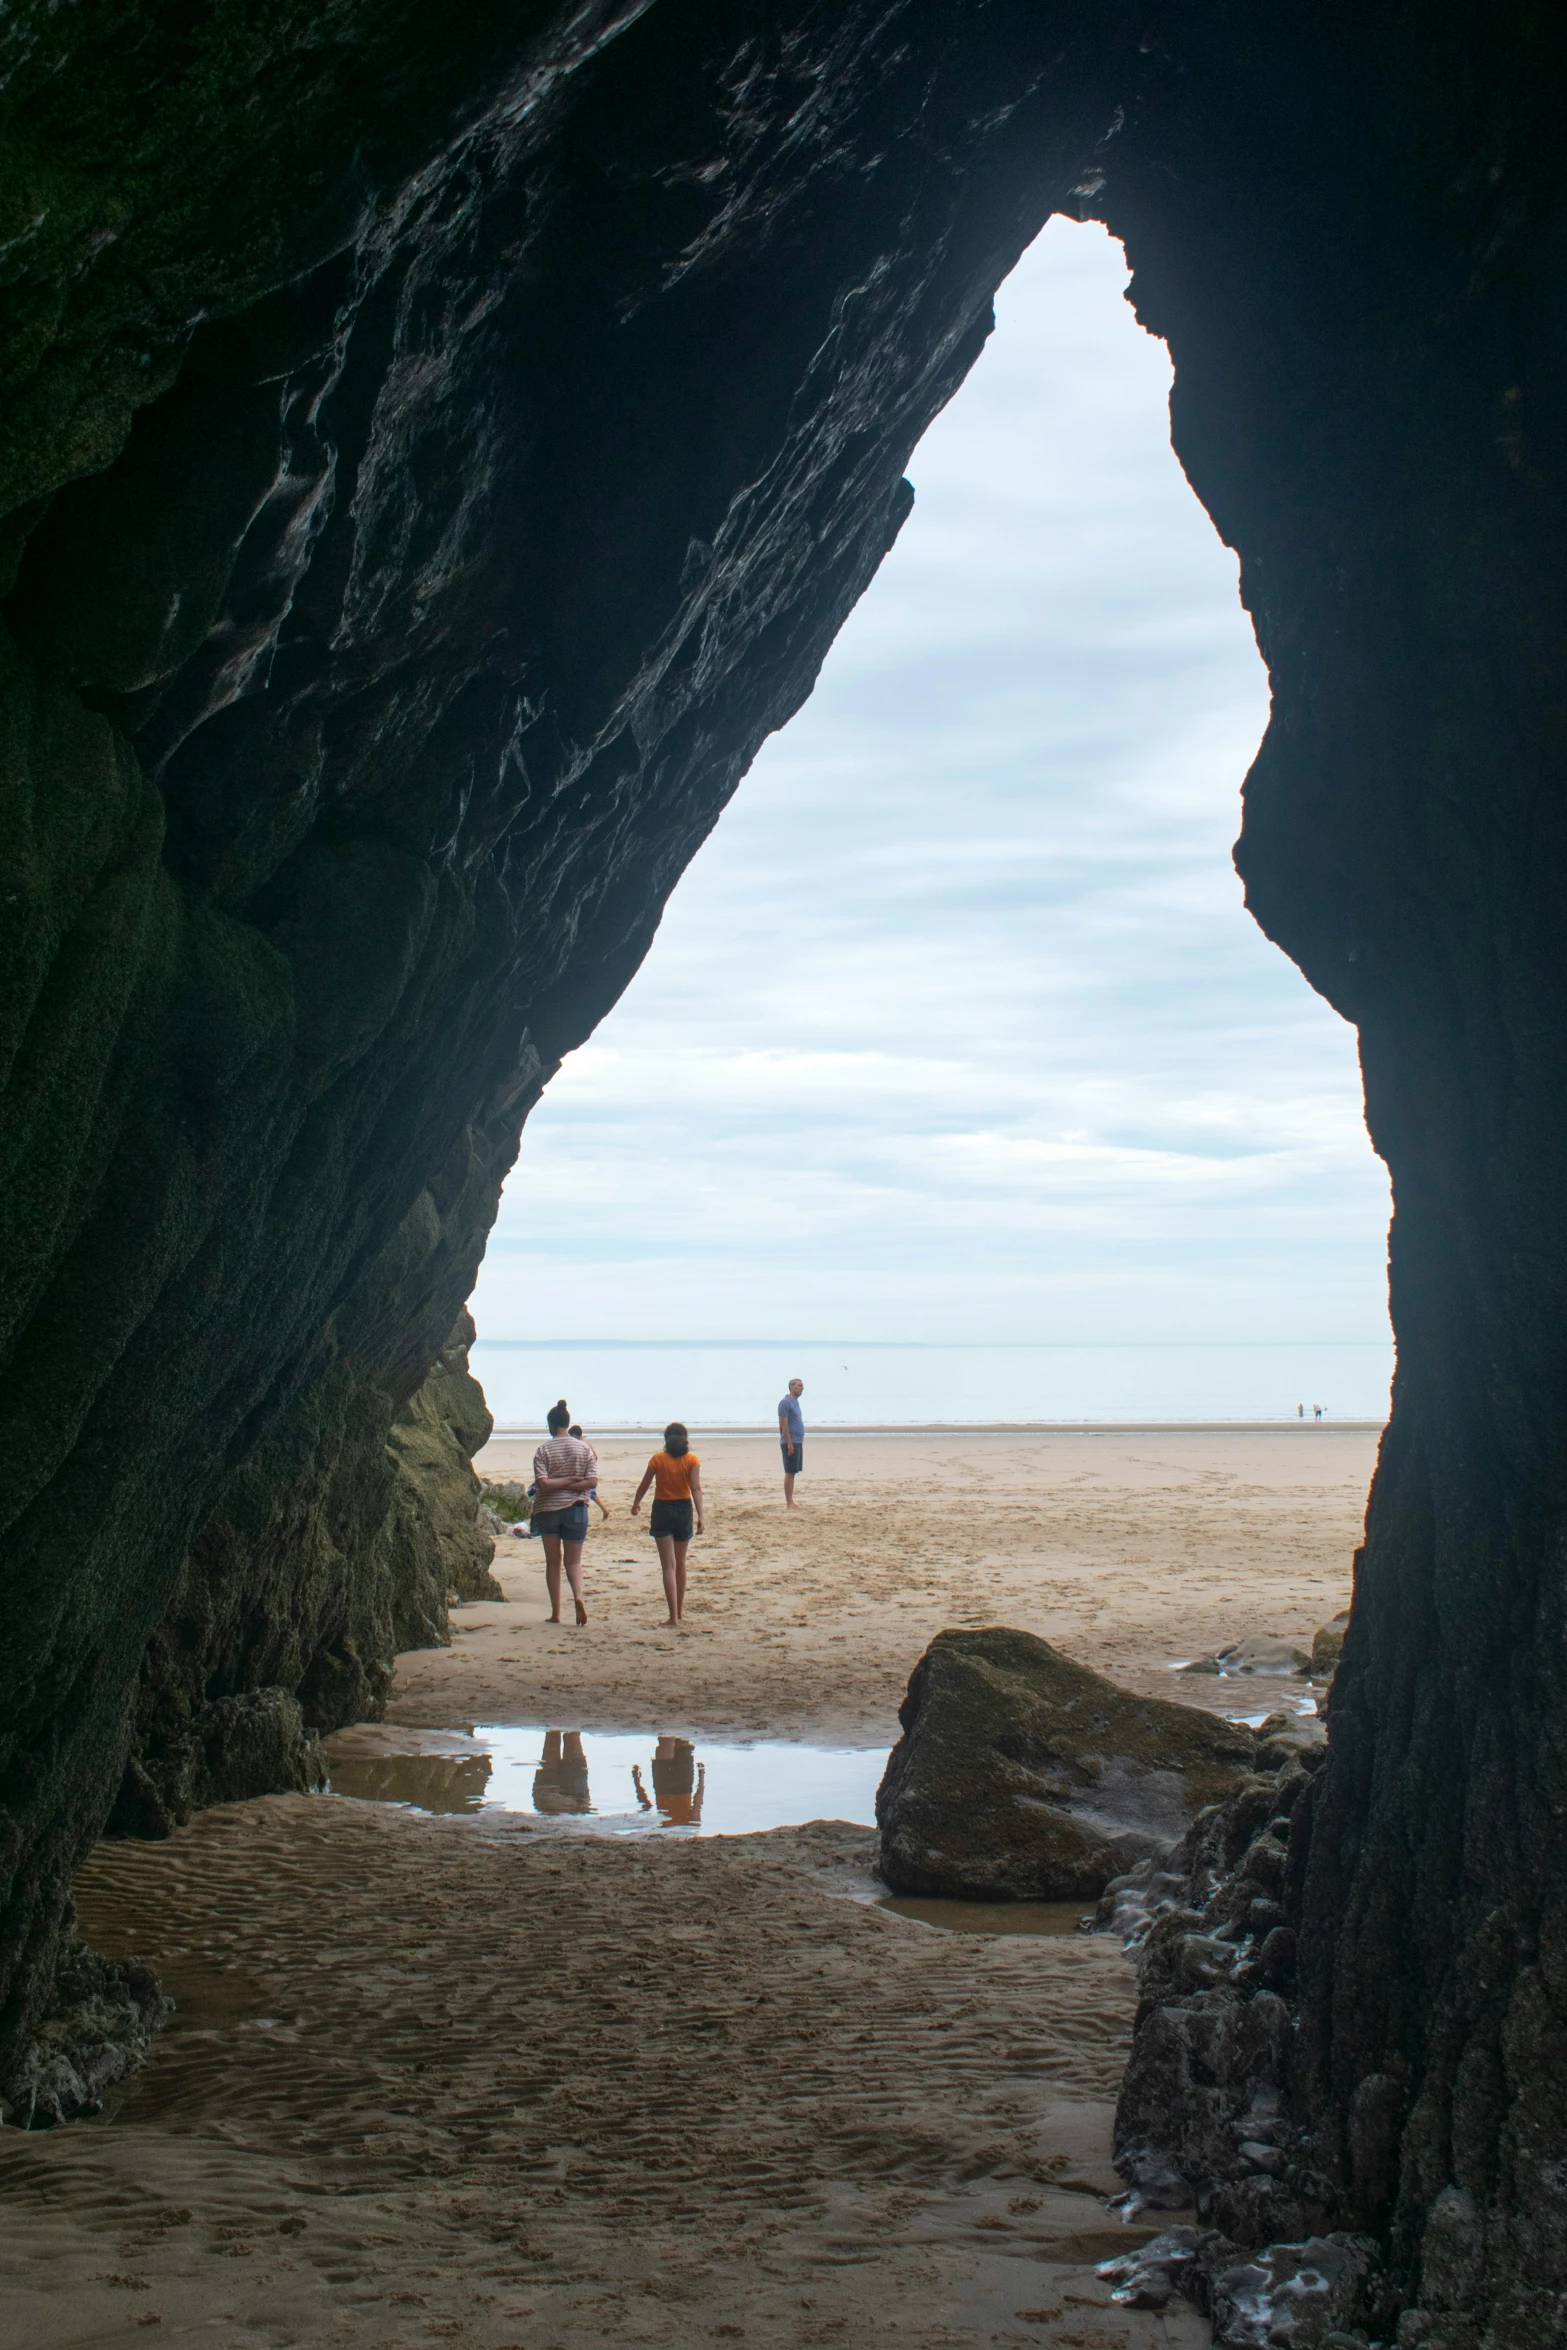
column 616, row 1783
column 990, row 1917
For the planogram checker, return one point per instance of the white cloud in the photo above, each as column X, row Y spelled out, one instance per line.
column 957, row 1027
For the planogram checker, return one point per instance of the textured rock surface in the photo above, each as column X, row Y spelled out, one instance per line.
column 1327, row 1647
column 437, row 445
column 1369, row 398
column 102, row 2015
column 340, row 1543
column 440, row 444
column 434, row 1548
column 1203, row 2115
column 1021, row 1776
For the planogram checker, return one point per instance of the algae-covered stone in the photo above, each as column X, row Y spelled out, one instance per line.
column 1021, row 1776
column 436, row 1549
column 1328, row 1646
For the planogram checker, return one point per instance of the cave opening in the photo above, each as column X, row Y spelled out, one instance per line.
column 966, row 957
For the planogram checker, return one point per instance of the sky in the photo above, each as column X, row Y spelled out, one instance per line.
column 957, row 1030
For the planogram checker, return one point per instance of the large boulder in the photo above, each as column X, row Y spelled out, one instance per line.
column 1021, row 1776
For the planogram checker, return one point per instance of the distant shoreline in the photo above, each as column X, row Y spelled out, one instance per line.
column 825, row 1428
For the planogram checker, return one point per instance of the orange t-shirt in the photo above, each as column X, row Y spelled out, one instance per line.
column 672, row 1478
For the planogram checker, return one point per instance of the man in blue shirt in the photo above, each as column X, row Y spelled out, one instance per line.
column 791, row 1439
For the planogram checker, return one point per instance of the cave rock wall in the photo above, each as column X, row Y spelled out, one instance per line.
column 439, row 444
column 342, row 1540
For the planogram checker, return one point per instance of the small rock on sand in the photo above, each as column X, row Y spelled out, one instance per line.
column 1264, row 1657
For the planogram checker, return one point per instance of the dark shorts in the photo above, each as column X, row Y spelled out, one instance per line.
column 793, row 1458
column 672, row 1517
column 571, row 1525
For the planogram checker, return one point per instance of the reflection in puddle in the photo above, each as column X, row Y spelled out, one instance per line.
column 618, row 1783
column 990, row 1917
column 431, row 1782
column 679, row 1782
column 561, row 1781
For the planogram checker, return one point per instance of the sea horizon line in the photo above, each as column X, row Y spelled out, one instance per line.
column 1144, row 1427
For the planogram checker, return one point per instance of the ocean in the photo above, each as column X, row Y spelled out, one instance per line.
column 637, row 1383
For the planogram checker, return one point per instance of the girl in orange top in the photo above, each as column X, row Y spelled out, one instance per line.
column 675, row 1474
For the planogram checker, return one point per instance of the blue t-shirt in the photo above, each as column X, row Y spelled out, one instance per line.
column 793, row 1418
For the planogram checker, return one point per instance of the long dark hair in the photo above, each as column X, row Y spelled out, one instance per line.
column 560, row 1416
column 676, row 1442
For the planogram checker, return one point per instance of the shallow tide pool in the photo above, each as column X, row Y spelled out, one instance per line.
column 614, row 1782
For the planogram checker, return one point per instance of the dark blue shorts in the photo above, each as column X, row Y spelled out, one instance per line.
column 571, row 1525
column 793, row 1458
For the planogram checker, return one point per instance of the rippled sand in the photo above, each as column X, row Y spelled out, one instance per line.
column 446, row 2080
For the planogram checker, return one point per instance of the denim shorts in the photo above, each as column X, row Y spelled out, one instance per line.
column 672, row 1517
column 571, row 1525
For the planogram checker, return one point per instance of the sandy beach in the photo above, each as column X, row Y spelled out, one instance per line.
column 491, row 2081
column 1129, row 1551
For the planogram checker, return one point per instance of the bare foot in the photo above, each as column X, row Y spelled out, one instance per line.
column 552, row 1619
column 670, row 1624
column 791, row 1505
column 582, row 1613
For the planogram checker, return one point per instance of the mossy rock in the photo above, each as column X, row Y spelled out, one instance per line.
column 1327, row 1647
column 1021, row 1776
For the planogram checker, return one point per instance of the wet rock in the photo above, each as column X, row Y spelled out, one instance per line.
column 1291, row 1738
column 433, row 1546
column 1152, row 2181
column 1377, row 2112
column 1021, row 1776
column 255, row 1743
column 1328, row 1646
column 1452, row 2252
column 104, row 2017
column 1292, row 2296
column 1436, row 2329
column 1130, row 1903
column 1203, row 2060
column 1147, row 2277
column 1277, row 1958
column 506, row 1498
column 1264, row 1657
column 1203, row 2091
column 340, row 1543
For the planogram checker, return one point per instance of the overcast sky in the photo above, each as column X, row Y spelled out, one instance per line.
column 957, row 1028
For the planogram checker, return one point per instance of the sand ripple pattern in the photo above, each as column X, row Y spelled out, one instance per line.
column 435, row 2082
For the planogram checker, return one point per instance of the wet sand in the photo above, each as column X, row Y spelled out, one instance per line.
column 453, row 2080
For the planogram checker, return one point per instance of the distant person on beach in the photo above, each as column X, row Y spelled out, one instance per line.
column 676, row 1476
column 574, row 1430
column 565, row 1472
column 791, row 1439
